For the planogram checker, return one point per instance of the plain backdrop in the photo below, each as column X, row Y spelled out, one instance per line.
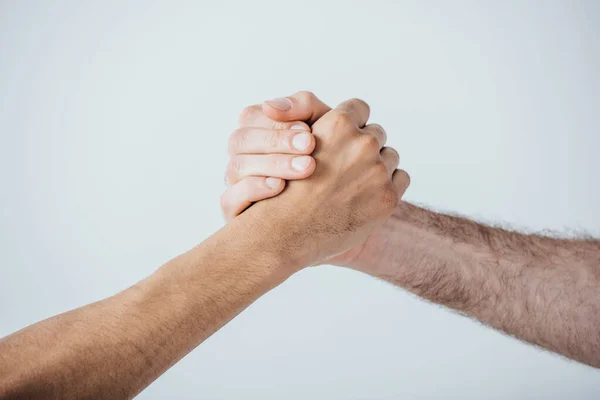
column 114, row 119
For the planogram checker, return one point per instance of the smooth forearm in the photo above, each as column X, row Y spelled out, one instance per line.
column 116, row 347
column 545, row 291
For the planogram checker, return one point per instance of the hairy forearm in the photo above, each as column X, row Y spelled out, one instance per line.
column 116, row 347
column 545, row 291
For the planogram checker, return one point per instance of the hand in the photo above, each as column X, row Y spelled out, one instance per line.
column 267, row 151
column 302, row 106
column 355, row 187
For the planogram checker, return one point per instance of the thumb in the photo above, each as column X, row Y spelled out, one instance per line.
column 301, row 106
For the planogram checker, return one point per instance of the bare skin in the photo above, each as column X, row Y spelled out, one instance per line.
column 116, row 347
column 542, row 290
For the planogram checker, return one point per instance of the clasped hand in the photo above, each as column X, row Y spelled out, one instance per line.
column 322, row 176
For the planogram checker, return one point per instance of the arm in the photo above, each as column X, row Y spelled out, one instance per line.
column 542, row 290
column 116, row 347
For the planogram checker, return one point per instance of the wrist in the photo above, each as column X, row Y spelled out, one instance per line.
column 281, row 234
column 393, row 247
column 240, row 257
column 267, row 242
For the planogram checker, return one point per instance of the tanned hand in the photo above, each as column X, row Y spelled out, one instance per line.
column 354, row 188
column 114, row 348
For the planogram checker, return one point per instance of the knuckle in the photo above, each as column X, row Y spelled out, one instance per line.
column 305, row 96
column 279, row 125
column 377, row 127
column 379, row 130
column 278, row 163
column 272, row 140
column 396, row 156
column 247, row 113
column 360, row 103
column 369, row 143
column 233, row 169
column 237, row 140
column 342, row 120
column 403, row 178
column 363, row 146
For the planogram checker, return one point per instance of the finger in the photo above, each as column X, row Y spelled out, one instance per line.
column 283, row 166
column 401, row 181
column 390, row 158
column 247, row 191
column 253, row 116
column 377, row 131
column 264, row 141
column 301, row 106
column 359, row 111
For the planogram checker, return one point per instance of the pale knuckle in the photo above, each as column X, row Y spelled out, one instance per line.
column 237, row 140
column 276, row 163
column 272, row 140
column 283, row 125
column 233, row 168
column 305, row 96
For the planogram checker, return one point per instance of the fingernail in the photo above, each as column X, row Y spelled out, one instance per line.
column 299, row 127
column 301, row 141
column 300, row 163
column 282, row 104
column 273, row 183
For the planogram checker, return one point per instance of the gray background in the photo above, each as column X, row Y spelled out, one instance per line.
column 114, row 118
